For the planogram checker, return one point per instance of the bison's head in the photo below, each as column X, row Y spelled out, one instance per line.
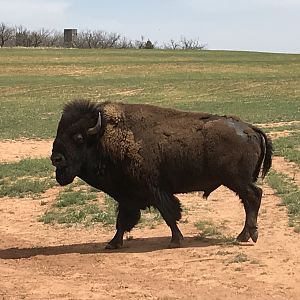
column 76, row 134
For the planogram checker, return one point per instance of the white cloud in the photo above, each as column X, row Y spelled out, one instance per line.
column 238, row 5
column 34, row 14
column 276, row 3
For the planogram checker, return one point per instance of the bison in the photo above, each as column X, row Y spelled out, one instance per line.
column 142, row 155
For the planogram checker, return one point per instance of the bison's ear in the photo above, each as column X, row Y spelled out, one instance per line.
column 94, row 130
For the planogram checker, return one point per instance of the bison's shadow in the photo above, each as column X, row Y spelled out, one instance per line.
column 139, row 245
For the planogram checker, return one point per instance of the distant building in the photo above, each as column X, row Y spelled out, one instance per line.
column 70, row 36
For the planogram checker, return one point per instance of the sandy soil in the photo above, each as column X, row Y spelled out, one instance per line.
column 40, row 261
column 278, row 124
column 16, row 150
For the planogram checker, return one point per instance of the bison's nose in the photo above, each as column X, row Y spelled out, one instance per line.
column 58, row 160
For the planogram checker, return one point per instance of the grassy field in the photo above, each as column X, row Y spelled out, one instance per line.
column 35, row 83
column 290, row 195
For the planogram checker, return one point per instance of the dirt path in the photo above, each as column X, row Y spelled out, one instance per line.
column 40, row 261
column 11, row 151
column 278, row 124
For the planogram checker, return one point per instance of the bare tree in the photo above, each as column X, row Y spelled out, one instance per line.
column 22, row 37
column 97, row 39
column 110, row 40
column 6, row 33
column 191, row 44
column 140, row 43
column 87, row 39
column 39, row 37
column 55, row 39
column 172, row 45
column 80, row 40
column 185, row 44
column 124, row 43
column 94, row 39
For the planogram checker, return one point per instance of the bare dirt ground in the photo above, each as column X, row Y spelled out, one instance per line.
column 278, row 124
column 16, row 150
column 40, row 261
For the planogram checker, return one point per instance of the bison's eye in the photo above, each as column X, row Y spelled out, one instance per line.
column 78, row 138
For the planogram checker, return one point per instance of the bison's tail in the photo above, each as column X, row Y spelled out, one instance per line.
column 265, row 161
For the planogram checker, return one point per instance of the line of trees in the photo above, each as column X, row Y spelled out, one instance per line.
column 19, row 36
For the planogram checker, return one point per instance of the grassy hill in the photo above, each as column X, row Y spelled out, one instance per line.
column 35, row 83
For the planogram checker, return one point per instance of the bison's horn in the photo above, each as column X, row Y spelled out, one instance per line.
column 96, row 129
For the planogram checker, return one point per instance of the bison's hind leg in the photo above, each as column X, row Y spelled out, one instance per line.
column 170, row 209
column 250, row 195
column 251, row 201
column 127, row 218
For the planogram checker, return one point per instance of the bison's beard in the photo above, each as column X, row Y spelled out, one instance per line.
column 64, row 176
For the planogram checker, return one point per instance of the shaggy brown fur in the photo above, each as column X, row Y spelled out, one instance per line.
column 142, row 155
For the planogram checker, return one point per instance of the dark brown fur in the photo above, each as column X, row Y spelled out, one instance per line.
column 144, row 154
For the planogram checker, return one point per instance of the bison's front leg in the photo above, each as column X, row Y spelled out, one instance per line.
column 126, row 220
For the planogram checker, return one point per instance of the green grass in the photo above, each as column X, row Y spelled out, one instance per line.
column 25, row 187
column 209, row 230
column 290, row 195
column 239, row 258
column 107, row 215
column 29, row 177
column 35, row 83
column 74, row 198
column 150, row 218
column 78, row 203
column 289, row 147
column 26, row 167
column 81, row 206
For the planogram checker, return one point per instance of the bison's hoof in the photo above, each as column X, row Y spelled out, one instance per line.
column 254, row 235
column 173, row 245
column 244, row 236
column 113, row 246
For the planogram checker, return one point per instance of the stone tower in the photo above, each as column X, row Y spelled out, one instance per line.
column 70, row 36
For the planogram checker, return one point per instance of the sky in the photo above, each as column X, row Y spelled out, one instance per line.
column 250, row 25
